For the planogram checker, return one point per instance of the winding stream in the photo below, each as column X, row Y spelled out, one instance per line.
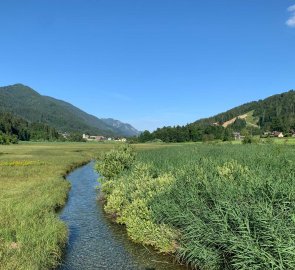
column 95, row 242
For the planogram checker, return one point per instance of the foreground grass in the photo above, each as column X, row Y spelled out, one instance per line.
column 185, row 198
column 32, row 188
column 215, row 207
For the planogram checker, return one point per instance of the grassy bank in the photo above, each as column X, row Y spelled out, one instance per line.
column 213, row 206
column 32, row 188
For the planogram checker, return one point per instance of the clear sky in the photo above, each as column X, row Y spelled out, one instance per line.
column 149, row 62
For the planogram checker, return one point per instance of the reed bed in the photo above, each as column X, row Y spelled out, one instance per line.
column 213, row 206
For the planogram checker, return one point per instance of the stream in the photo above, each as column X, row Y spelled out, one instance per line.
column 95, row 242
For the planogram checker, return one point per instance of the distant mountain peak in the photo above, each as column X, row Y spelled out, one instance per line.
column 20, row 89
column 127, row 128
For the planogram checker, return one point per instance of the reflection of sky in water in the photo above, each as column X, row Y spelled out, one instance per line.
column 95, row 242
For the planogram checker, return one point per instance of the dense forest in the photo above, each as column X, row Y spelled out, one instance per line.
column 13, row 128
column 194, row 133
column 276, row 113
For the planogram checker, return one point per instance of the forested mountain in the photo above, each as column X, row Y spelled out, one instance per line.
column 120, row 127
column 13, row 128
column 275, row 113
column 33, row 107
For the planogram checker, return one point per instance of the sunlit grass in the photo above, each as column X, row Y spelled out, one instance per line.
column 32, row 188
column 215, row 206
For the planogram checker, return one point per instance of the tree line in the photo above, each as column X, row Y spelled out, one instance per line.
column 14, row 128
column 195, row 133
column 276, row 113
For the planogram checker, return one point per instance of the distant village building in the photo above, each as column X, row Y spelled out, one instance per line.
column 121, row 140
column 93, row 138
column 102, row 138
column 238, row 136
column 278, row 134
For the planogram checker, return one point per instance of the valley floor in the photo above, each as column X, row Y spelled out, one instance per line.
column 212, row 206
column 32, row 189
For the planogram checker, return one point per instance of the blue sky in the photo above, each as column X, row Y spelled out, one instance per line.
column 149, row 62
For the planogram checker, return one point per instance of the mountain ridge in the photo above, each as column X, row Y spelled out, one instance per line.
column 279, row 106
column 274, row 113
column 24, row 101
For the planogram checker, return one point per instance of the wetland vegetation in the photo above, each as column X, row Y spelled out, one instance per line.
column 32, row 189
column 212, row 206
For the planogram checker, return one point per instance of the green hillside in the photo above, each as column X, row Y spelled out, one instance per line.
column 275, row 113
column 33, row 107
column 252, row 120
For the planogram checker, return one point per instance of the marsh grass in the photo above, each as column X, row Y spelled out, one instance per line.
column 32, row 188
column 221, row 206
column 229, row 206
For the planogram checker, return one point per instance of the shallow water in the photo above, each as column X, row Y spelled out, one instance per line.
column 95, row 242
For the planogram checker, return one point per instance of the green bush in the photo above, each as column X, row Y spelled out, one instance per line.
column 112, row 163
column 247, row 139
column 8, row 139
column 129, row 194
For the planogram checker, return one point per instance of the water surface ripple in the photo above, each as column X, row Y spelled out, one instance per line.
column 95, row 242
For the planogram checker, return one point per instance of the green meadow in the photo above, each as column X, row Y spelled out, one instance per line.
column 214, row 206
column 32, row 190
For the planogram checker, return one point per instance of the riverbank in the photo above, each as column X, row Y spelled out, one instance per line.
column 94, row 241
column 32, row 188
